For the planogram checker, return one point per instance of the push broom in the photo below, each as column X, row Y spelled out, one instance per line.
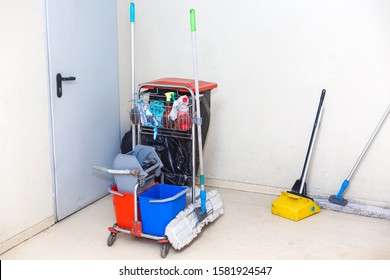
column 338, row 199
column 189, row 222
column 295, row 204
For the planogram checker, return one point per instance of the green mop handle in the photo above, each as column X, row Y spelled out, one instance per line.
column 198, row 123
column 193, row 20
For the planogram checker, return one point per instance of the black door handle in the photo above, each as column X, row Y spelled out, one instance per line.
column 59, row 79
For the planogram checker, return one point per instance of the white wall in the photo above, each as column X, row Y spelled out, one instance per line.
column 271, row 60
column 26, row 187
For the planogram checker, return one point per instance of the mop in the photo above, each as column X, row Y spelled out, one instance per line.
column 189, row 222
column 338, row 199
column 340, row 204
column 135, row 112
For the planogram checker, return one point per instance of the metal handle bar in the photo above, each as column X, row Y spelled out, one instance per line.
column 111, row 191
column 133, row 172
column 170, row 198
column 368, row 143
column 150, row 169
column 310, row 152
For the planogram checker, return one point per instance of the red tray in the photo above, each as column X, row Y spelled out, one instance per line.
column 203, row 86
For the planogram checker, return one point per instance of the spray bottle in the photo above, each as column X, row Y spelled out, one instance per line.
column 167, row 122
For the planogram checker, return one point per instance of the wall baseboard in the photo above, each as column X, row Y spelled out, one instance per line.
column 28, row 233
column 247, row 187
column 270, row 190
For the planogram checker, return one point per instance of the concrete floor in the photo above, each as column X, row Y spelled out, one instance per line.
column 247, row 231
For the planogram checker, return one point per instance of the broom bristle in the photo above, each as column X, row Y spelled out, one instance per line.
column 186, row 226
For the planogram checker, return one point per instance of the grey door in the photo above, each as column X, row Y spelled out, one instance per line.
column 82, row 48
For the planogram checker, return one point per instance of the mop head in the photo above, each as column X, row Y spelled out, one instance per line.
column 337, row 200
column 355, row 208
column 186, row 226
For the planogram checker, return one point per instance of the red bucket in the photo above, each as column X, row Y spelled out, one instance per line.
column 124, row 208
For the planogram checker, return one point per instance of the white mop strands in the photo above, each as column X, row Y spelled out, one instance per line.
column 186, row 226
column 356, row 208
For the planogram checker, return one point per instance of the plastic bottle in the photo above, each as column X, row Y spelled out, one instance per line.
column 167, row 122
column 143, row 107
column 184, row 121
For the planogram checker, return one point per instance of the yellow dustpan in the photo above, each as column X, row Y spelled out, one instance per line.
column 294, row 207
column 295, row 204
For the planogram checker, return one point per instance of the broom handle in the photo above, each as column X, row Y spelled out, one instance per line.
column 368, row 143
column 132, row 22
column 312, row 140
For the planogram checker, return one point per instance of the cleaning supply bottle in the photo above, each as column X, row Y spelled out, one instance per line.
column 143, row 108
column 167, row 122
column 173, row 113
column 184, row 121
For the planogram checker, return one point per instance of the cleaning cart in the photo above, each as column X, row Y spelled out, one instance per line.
column 169, row 120
column 180, row 146
column 144, row 204
column 163, row 143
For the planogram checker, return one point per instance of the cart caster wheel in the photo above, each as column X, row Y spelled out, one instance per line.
column 164, row 250
column 111, row 239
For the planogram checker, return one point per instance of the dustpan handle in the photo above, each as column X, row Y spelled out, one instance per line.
column 312, row 139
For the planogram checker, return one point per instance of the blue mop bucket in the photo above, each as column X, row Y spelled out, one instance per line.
column 159, row 205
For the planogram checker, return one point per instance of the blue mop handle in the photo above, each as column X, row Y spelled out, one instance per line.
column 202, row 195
column 203, row 200
column 344, row 186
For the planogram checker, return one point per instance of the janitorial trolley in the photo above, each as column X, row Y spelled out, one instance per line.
column 171, row 130
column 143, row 202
